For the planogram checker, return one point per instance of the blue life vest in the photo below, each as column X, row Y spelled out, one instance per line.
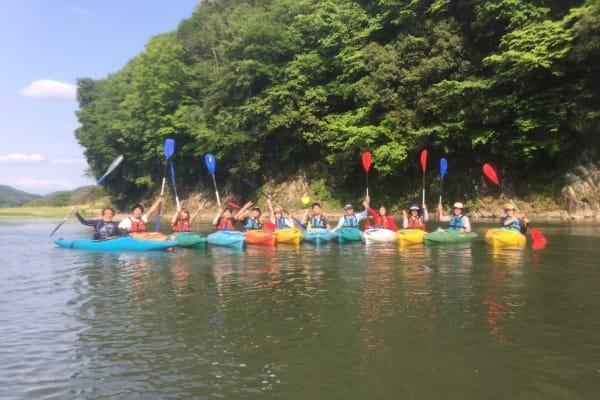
column 252, row 224
column 350, row 221
column 516, row 225
column 317, row 222
column 456, row 222
column 281, row 223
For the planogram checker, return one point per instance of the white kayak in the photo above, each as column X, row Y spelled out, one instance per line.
column 379, row 235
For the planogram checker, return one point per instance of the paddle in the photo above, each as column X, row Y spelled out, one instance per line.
column 538, row 238
column 172, row 168
column 113, row 165
column 168, row 151
column 424, row 167
column 209, row 160
column 366, row 163
column 443, row 169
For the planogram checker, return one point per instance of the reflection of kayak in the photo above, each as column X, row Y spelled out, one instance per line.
column 125, row 243
column 505, row 238
column 450, row 236
column 318, row 235
column 265, row 238
column 226, row 238
column 349, row 235
column 288, row 236
column 190, row 239
column 407, row 237
column 379, row 235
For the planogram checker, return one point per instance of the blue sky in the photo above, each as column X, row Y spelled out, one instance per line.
column 45, row 46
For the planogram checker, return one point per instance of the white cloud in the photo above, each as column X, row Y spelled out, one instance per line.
column 47, row 88
column 19, row 158
column 69, row 161
column 46, row 184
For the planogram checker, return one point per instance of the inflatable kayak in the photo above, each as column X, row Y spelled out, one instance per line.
column 288, row 236
column 505, row 238
column 227, row 238
column 265, row 238
column 318, row 235
column 345, row 235
column 409, row 237
column 379, row 235
column 190, row 239
column 125, row 243
column 450, row 236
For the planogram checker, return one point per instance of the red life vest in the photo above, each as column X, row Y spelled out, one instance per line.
column 384, row 222
column 225, row 225
column 415, row 223
column 137, row 226
column 181, row 225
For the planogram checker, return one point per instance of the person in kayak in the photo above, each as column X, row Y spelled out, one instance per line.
column 315, row 219
column 105, row 227
column 224, row 221
column 458, row 220
column 416, row 219
column 277, row 217
column 512, row 221
column 182, row 221
column 350, row 219
column 249, row 216
column 136, row 222
column 382, row 219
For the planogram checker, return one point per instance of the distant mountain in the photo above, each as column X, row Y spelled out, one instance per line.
column 81, row 195
column 11, row 197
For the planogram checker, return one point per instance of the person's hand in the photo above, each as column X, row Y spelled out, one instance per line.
column 404, row 213
column 439, row 207
column 424, row 206
column 74, row 210
column 365, row 204
column 160, row 198
column 248, row 204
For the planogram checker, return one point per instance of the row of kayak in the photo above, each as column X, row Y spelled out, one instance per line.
column 236, row 239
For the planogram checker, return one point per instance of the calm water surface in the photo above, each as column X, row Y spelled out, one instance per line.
column 335, row 322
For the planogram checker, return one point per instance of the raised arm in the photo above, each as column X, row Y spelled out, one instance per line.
column 196, row 213
column 425, row 213
column 218, row 216
column 271, row 211
column 86, row 222
column 242, row 213
column 154, row 206
column 404, row 219
column 441, row 215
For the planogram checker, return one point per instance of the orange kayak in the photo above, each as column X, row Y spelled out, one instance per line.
column 265, row 238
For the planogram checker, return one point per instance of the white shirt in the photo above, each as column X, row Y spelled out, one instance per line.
column 126, row 223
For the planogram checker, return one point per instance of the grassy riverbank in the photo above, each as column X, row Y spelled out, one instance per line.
column 43, row 211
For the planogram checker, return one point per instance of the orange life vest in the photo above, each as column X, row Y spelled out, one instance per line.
column 137, row 226
column 181, row 225
column 225, row 225
column 415, row 223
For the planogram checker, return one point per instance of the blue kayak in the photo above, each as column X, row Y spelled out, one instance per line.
column 345, row 235
column 125, row 243
column 227, row 238
column 318, row 235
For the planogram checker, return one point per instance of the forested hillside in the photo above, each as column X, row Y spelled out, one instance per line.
column 278, row 87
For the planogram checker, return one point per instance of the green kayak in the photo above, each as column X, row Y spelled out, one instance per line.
column 347, row 235
column 450, row 236
column 190, row 239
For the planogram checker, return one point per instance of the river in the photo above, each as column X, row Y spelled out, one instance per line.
column 334, row 322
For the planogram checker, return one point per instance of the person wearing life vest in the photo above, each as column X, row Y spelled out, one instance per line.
column 382, row 219
column 249, row 216
column 136, row 222
column 105, row 227
column 277, row 217
column 415, row 219
column 182, row 221
column 224, row 221
column 457, row 220
column 315, row 218
column 512, row 221
column 350, row 219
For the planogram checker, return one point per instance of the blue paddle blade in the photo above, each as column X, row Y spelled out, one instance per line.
column 209, row 159
column 169, row 148
column 443, row 167
column 172, row 168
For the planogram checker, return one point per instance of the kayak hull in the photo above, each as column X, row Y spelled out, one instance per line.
column 505, row 238
column 260, row 237
column 233, row 239
column 348, row 235
column 190, row 240
column 450, row 236
column 318, row 235
column 125, row 243
column 288, row 236
column 379, row 235
column 409, row 237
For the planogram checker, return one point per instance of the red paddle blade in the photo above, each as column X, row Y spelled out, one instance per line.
column 424, row 160
column 269, row 225
column 538, row 245
column 235, row 205
column 537, row 236
column 366, row 161
column 490, row 172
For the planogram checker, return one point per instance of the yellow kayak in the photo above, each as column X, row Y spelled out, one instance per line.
column 407, row 237
column 498, row 237
column 288, row 236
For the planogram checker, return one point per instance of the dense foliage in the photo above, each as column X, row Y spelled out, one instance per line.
column 274, row 87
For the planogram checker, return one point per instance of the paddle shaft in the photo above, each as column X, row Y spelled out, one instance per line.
column 162, row 192
column 423, row 187
column 216, row 191
column 62, row 222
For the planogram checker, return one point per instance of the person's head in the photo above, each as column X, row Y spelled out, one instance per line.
column 382, row 211
column 509, row 210
column 184, row 214
column 227, row 213
column 278, row 212
column 255, row 212
column 414, row 210
column 348, row 209
column 316, row 208
column 137, row 210
column 107, row 214
column 458, row 208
